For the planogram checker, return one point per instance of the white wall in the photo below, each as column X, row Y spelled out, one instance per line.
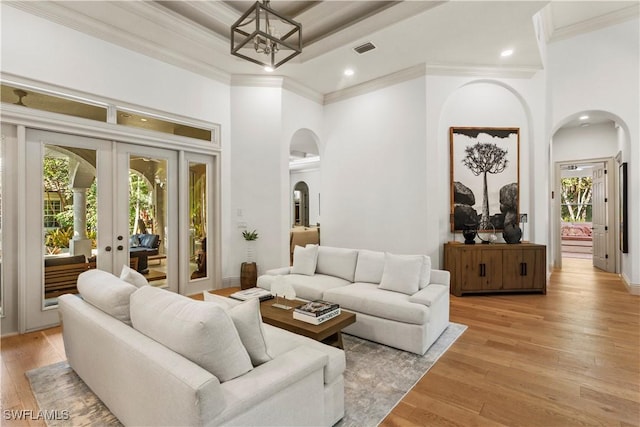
column 374, row 163
column 599, row 71
column 583, row 143
column 256, row 178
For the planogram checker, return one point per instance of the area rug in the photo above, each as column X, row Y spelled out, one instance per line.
column 376, row 378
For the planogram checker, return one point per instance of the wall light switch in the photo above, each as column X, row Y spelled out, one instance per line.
column 242, row 224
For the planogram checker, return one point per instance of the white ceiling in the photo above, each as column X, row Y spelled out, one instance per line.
column 445, row 36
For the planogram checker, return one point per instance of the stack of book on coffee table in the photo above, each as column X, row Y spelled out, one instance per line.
column 261, row 294
column 316, row 312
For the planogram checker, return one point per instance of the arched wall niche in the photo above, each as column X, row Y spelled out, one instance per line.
column 488, row 103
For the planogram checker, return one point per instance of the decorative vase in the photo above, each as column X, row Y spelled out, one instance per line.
column 469, row 234
column 512, row 233
column 251, row 250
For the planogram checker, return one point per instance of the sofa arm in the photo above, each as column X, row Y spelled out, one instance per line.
column 278, row 271
column 440, row 277
column 429, row 294
column 270, row 378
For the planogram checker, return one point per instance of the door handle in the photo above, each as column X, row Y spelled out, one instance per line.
column 120, row 247
column 108, row 249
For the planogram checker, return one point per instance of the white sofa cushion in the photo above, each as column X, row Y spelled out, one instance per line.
column 248, row 321
column 129, row 275
column 305, row 259
column 369, row 267
column 281, row 341
column 338, row 262
column 107, row 292
column 369, row 299
column 402, row 273
column 313, row 287
column 425, row 274
column 430, row 294
column 200, row 331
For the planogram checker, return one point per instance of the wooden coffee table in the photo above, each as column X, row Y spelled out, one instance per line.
column 328, row 332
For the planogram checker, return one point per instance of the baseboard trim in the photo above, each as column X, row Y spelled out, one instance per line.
column 632, row 288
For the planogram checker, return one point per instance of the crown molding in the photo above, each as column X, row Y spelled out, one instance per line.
column 423, row 70
column 277, row 82
column 302, row 90
column 376, row 84
column 476, row 71
column 257, row 81
column 593, row 24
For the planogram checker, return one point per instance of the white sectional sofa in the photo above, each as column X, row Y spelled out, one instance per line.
column 399, row 300
column 158, row 358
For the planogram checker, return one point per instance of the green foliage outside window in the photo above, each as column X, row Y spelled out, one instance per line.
column 576, row 199
column 58, row 201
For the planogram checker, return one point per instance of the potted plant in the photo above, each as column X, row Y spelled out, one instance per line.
column 249, row 270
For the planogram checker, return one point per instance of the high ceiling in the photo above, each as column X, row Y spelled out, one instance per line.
column 445, row 36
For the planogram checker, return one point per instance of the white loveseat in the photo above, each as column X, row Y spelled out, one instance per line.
column 164, row 375
column 399, row 300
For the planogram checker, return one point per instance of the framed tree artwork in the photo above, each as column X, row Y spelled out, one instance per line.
column 485, row 171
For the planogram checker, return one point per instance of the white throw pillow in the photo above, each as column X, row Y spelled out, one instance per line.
column 425, row 275
column 402, row 273
column 370, row 266
column 304, row 260
column 106, row 292
column 248, row 321
column 337, row 262
column 201, row 332
column 129, row 275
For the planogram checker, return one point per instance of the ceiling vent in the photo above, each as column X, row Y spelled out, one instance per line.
column 364, row 48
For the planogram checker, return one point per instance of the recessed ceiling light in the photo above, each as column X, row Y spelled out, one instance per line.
column 584, row 117
column 268, row 69
column 349, row 72
column 507, row 52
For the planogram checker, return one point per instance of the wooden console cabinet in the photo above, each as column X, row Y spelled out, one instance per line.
column 497, row 267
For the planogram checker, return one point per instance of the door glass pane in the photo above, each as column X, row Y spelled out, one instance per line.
column 69, row 218
column 148, row 221
column 197, row 220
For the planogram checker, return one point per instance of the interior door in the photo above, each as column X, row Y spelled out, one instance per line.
column 146, row 213
column 600, row 229
column 68, row 183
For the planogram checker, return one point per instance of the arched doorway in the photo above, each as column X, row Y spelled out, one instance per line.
column 584, row 149
column 301, row 204
column 304, row 184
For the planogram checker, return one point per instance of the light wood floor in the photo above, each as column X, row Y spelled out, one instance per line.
column 570, row 358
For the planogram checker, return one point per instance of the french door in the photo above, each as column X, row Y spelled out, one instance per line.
column 93, row 203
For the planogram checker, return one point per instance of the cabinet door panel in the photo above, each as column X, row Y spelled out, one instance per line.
column 513, row 269
column 471, row 261
column 492, row 278
column 535, row 270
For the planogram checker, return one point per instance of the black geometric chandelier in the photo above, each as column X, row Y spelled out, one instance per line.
column 265, row 37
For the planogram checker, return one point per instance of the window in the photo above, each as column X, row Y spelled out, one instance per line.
column 51, row 209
